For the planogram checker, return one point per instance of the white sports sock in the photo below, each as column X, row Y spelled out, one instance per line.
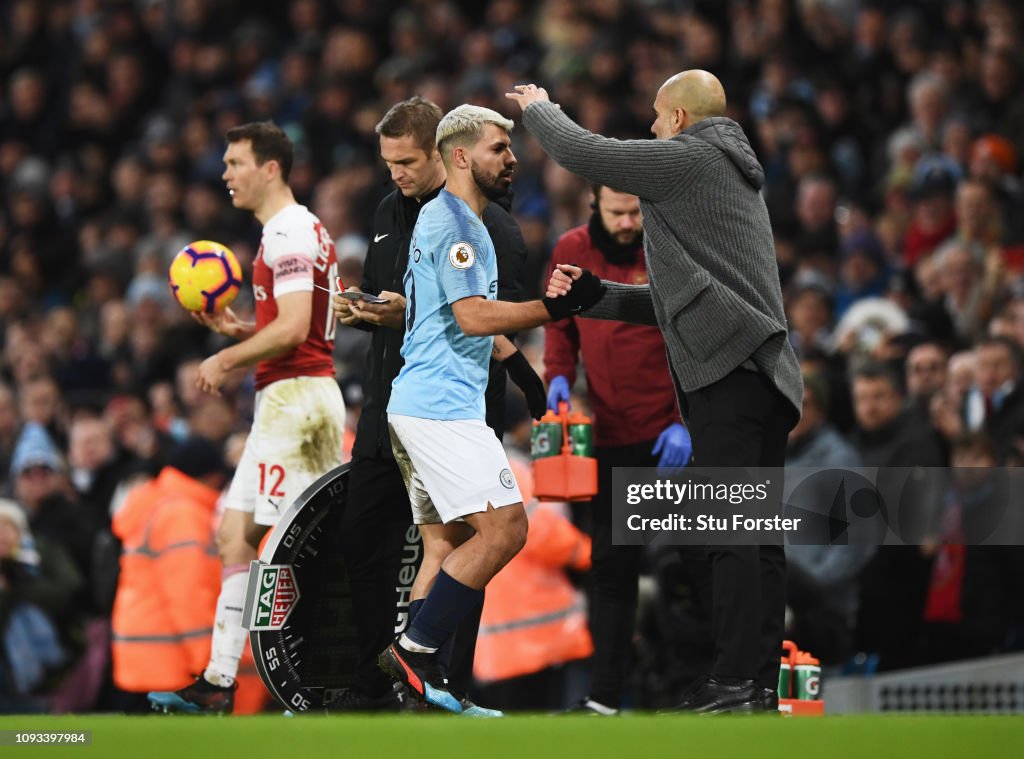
column 228, row 634
column 410, row 645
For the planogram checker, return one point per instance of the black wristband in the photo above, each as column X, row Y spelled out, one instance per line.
column 585, row 292
column 558, row 308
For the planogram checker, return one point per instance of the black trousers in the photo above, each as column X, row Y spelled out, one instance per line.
column 374, row 531
column 743, row 420
column 613, row 579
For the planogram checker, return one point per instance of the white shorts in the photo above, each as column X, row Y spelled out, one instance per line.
column 296, row 438
column 451, row 468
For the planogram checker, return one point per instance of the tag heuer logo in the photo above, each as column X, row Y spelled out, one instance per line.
column 277, row 596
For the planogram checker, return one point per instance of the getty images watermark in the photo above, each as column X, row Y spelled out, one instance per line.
column 810, row 506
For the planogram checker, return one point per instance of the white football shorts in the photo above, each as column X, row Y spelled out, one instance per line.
column 296, row 438
column 451, row 468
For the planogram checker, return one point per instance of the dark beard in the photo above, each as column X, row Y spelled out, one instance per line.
column 614, row 252
column 489, row 185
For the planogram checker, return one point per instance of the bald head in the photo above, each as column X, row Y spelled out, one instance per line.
column 686, row 98
column 698, row 92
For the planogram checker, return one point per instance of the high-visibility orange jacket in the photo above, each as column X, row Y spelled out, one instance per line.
column 169, row 583
column 533, row 618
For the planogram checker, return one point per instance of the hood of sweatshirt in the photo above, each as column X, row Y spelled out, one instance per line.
column 726, row 135
column 170, row 485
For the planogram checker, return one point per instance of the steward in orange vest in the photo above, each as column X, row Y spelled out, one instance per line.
column 170, row 579
column 170, row 573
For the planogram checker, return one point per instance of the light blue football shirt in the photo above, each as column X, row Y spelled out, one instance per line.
column 451, row 257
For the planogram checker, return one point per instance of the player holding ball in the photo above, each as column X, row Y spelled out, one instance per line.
column 297, row 431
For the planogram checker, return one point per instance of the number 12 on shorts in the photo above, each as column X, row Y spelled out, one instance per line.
column 272, row 475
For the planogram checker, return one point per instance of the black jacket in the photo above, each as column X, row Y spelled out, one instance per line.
column 1007, row 424
column 386, row 261
column 904, row 442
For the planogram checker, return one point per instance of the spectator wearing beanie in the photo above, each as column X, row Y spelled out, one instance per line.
column 40, row 486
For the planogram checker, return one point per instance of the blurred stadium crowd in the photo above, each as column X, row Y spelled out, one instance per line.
column 890, row 133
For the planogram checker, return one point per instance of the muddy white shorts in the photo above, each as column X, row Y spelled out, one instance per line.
column 451, row 468
column 296, row 438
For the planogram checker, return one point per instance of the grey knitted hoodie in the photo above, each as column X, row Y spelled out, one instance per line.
column 714, row 285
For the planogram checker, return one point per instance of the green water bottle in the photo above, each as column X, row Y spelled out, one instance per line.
column 546, row 437
column 785, row 679
column 807, row 678
column 581, row 435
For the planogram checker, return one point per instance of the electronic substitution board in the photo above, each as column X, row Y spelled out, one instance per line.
column 298, row 604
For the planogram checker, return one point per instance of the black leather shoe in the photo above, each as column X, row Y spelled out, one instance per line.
column 717, row 697
column 769, row 700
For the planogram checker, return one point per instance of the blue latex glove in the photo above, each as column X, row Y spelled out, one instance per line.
column 558, row 390
column 673, row 444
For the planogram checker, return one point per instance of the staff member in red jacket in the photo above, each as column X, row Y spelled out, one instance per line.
column 636, row 419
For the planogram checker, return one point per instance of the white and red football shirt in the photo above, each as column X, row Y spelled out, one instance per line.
column 296, row 253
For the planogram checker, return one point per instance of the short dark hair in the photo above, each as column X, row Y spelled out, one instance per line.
column 990, row 341
column 269, row 143
column 975, row 442
column 873, row 370
column 416, row 116
column 197, row 457
column 925, row 343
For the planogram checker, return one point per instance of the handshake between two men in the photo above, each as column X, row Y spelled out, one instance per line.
column 571, row 290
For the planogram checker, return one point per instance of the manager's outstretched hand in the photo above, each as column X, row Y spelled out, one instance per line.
column 561, row 280
column 528, row 93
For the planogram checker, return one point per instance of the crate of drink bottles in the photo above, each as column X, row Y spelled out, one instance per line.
column 800, row 683
column 562, row 449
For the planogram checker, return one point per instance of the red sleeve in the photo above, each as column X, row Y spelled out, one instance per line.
column 561, row 338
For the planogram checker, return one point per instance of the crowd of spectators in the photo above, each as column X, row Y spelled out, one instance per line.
column 891, row 138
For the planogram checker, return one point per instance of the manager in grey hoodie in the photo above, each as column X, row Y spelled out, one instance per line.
column 714, row 292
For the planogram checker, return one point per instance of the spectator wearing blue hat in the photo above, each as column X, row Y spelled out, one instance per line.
column 41, row 487
column 863, row 271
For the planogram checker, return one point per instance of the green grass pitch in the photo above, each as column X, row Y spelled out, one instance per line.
column 418, row 736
